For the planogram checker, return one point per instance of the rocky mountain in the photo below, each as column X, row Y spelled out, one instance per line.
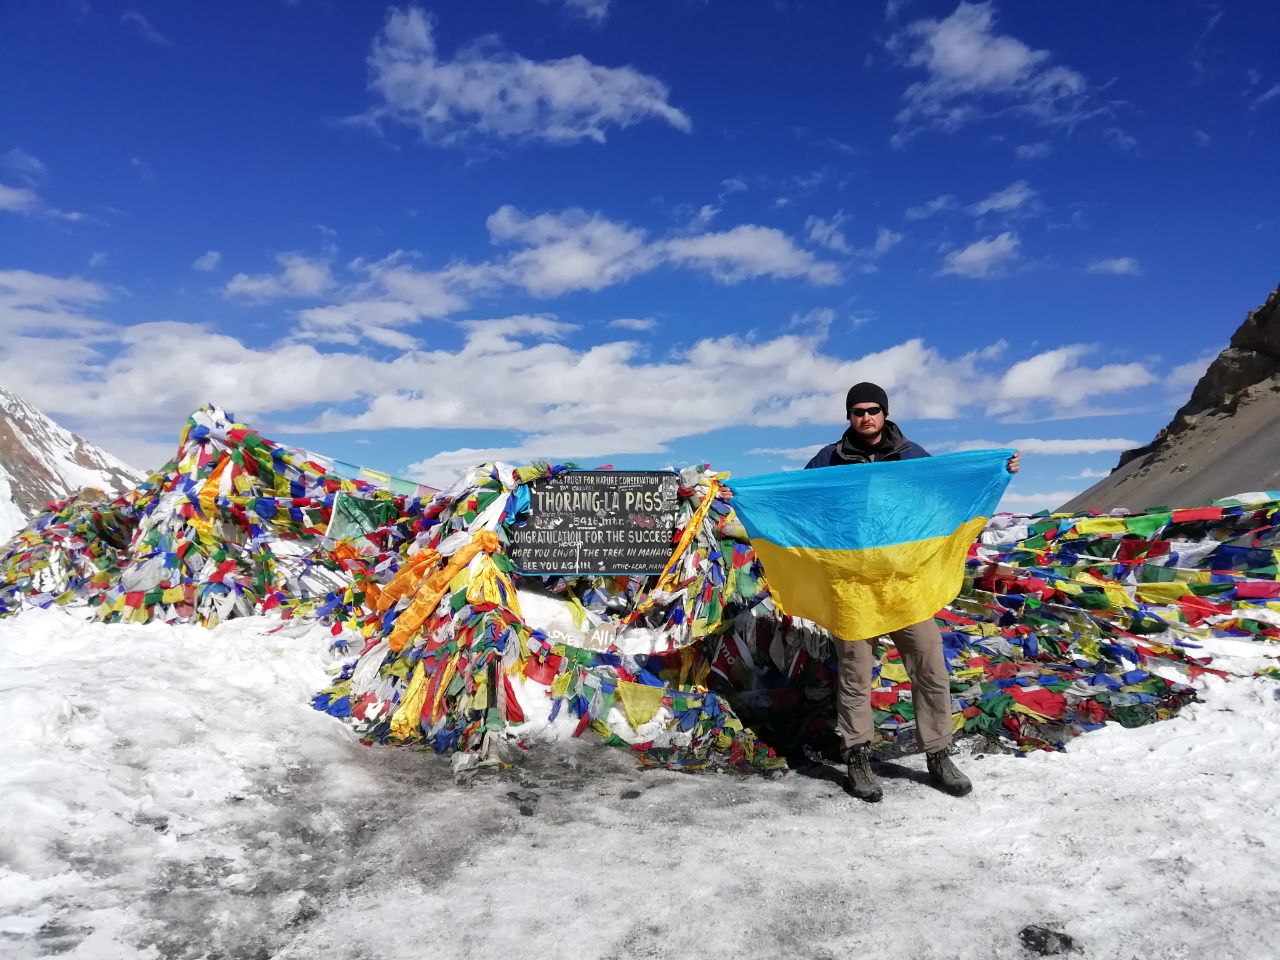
column 1225, row 440
column 41, row 461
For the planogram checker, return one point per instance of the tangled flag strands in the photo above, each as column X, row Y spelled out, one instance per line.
column 1063, row 623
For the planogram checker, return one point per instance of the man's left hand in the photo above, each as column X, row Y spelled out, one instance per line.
column 1014, row 462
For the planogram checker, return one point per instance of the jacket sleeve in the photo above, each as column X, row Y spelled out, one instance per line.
column 913, row 451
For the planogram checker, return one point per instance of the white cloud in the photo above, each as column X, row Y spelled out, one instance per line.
column 1042, row 447
column 1057, row 377
column 486, row 91
column 702, row 219
column 787, row 453
column 97, row 258
column 1089, row 474
column 299, row 276
column 596, row 11
column 551, row 254
column 1121, row 138
column 1116, row 266
column 886, row 240
column 29, row 167
column 1011, row 198
column 1034, row 502
column 207, row 261
column 749, row 251
column 1183, row 378
column 571, row 250
column 35, row 303
column 568, row 393
column 144, row 28
column 18, row 199
column 1201, row 137
column 1271, row 94
column 1033, row 151
column 634, row 323
column 972, row 72
column 927, row 209
column 827, row 233
column 25, row 201
column 983, row 258
column 732, row 185
column 361, row 321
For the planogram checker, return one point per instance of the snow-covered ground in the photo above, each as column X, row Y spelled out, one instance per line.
column 169, row 792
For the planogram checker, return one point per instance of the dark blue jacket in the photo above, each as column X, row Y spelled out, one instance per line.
column 892, row 446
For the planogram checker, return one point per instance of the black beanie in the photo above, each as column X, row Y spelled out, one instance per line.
column 866, row 393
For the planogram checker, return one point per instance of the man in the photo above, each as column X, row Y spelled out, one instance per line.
column 873, row 438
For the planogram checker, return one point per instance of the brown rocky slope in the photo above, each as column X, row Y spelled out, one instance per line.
column 1223, row 441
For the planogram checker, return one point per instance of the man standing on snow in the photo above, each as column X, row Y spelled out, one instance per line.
column 873, row 438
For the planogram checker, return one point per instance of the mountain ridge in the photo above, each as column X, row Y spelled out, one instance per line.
column 42, row 461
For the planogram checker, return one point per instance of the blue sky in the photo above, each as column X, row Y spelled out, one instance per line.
column 669, row 232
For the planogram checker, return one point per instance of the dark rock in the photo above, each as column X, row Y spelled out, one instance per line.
column 1044, row 941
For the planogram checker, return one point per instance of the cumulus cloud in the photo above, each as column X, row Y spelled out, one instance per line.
column 1043, row 447
column 1011, row 198
column 827, row 233
column 36, row 303
column 569, row 391
column 973, row 72
column 572, row 250
column 930, row 207
column 1116, row 266
column 299, row 276
column 1059, row 378
column 982, row 259
column 488, row 92
column 749, row 251
column 207, row 261
column 546, row 255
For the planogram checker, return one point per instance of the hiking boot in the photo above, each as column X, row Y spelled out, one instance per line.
column 944, row 774
column 862, row 783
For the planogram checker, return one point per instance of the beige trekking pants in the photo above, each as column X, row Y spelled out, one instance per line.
column 920, row 646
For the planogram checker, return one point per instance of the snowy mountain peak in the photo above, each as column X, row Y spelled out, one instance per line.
column 41, row 461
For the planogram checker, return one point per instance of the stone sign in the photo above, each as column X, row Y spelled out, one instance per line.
column 597, row 522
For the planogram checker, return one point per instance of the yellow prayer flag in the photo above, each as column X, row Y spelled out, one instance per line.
column 640, row 702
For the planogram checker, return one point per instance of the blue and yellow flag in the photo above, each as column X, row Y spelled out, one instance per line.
column 866, row 549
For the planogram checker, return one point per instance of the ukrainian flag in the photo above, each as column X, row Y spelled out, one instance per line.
column 866, row 549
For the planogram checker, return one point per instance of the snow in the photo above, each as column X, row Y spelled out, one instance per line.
column 169, row 792
column 62, row 455
column 11, row 518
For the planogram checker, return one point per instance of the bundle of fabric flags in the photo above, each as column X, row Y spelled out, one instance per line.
column 1062, row 623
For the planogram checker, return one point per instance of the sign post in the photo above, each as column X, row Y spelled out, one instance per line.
column 595, row 522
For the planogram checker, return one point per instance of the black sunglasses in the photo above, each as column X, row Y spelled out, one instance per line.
column 856, row 412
